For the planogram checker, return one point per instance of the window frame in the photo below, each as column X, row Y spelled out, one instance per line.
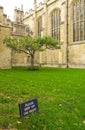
column 78, row 21
column 55, row 24
column 39, row 26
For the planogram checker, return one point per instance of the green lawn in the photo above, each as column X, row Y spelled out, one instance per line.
column 60, row 94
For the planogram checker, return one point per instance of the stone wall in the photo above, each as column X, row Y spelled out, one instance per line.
column 5, row 30
column 76, row 50
column 77, row 55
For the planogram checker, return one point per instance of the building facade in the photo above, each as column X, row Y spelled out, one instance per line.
column 5, row 30
column 61, row 19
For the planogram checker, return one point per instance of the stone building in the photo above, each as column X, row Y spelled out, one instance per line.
column 8, row 28
column 61, row 19
column 5, row 30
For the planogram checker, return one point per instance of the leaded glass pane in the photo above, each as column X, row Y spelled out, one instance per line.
column 81, row 31
column 39, row 26
column 74, row 32
column 79, row 21
column 55, row 22
column 84, row 30
column 74, row 13
column 77, row 34
column 77, row 11
column 81, row 9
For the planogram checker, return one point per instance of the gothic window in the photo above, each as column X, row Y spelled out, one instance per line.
column 55, row 24
column 79, row 21
column 40, row 26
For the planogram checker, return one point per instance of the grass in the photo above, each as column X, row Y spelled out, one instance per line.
column 60, row 94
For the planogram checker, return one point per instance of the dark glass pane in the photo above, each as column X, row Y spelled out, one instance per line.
column 84, row 9
column 39, row 26
column 74, row 32
column 77, row 32
column 78, row 20
column 74, row 13
column 84, row 30
column 55, row 24
column 81, row 31
column 81, row 9
column 77, row 11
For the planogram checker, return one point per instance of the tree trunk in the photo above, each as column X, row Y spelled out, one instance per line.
column 32, row 60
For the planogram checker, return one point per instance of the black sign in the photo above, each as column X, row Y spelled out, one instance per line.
column 28, row 107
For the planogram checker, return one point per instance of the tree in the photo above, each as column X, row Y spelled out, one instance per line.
column 30, row 45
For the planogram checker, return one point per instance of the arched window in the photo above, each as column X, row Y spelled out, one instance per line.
column 40, row 26
column 79, row 21
column 55, row 24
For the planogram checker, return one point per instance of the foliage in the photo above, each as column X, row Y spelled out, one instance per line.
column 30, row 45
column 60, row 94
column 24, row 44
column 49, row 42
